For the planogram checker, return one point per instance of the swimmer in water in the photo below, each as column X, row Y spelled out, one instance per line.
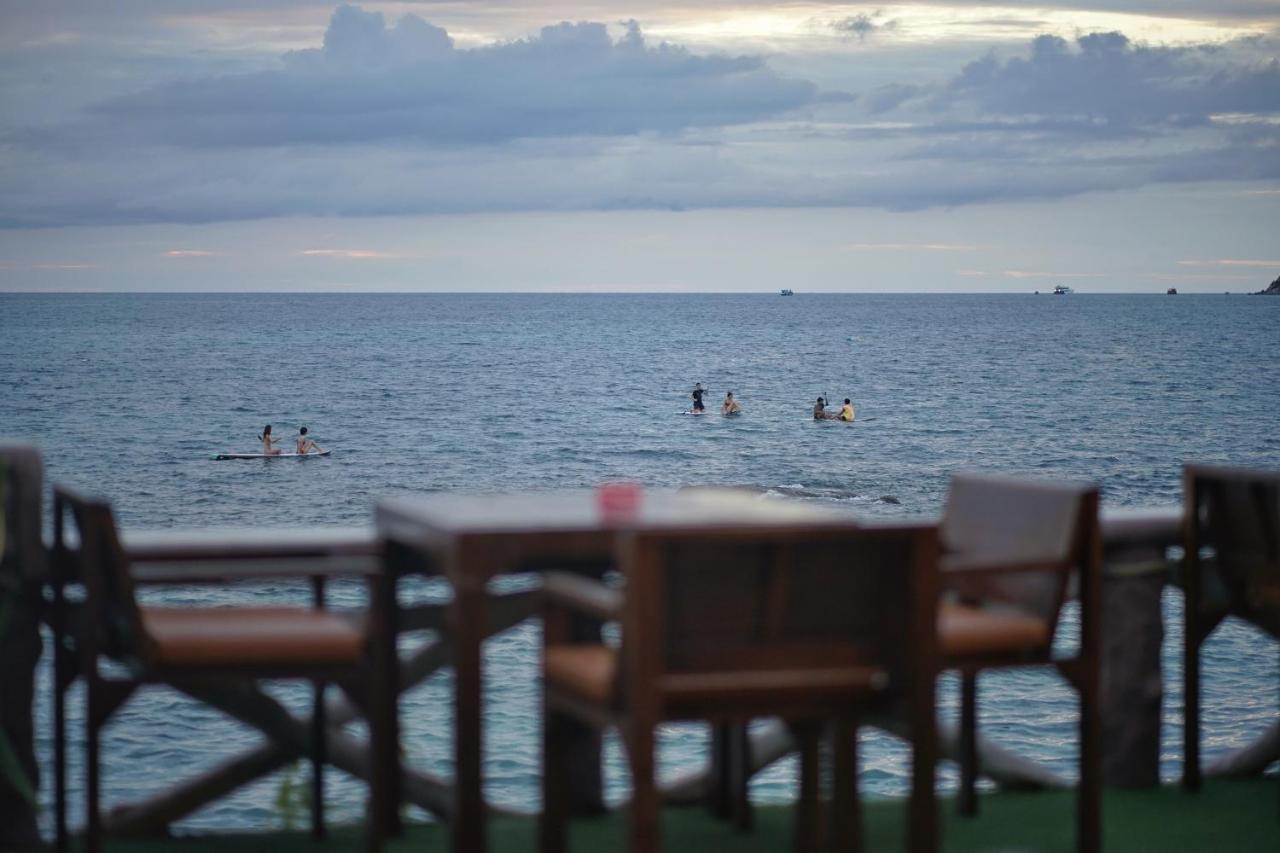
column 730, row 406
column 306, row 445
column 820, row 412
column 268, row 443
column 698, row 391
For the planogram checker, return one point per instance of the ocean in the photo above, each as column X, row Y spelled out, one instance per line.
column 131, row 395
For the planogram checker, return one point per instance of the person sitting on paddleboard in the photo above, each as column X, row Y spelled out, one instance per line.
column 820, row 411
column 268, row 448
column 846, row 411
column 730, row 406
column 697, row 398
column 306, row 445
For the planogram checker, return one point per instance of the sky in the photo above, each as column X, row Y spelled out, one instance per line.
column 687, row 146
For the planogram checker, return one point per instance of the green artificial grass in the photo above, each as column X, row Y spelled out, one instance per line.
column 1226, row 815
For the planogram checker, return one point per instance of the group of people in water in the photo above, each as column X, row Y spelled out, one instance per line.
column 820, row 412
column 731, row 406
column 304, row 446
column 728, row 407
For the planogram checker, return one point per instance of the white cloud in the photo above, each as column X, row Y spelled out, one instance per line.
column 348, row 254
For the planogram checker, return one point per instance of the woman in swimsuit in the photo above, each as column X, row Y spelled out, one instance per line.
column 306, row 445
column 268, row 448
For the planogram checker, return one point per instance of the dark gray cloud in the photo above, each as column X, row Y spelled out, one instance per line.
column 864, row 24
column 1097, row 113
column 387, row 119
column 1106, row 77
column 409, row 82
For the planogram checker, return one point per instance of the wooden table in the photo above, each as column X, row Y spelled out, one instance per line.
column 471, row 539
column 223, row 553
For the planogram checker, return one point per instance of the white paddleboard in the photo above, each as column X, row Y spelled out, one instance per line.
column 222, row 456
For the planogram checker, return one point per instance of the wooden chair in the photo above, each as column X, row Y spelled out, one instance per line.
column 811, row 625
column 1231, row 530
column 195, row 649
column 22, row 575
column 1011, row 550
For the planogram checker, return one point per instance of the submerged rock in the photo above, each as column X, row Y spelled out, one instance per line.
column 889, row 499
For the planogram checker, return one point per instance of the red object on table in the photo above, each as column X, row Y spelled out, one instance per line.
column 617, row 500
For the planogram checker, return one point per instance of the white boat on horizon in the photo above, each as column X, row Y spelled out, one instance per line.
column 1062, row 290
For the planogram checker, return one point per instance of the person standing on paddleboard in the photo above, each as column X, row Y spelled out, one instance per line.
column 698, row 391
column 268, row 447
column 306, row 445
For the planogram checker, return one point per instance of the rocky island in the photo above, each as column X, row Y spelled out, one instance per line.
column 1272, row 290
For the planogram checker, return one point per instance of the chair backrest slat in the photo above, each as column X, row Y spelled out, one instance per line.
column 998, row 520
column 21, row 546
column 1236, row 518
column 104, row 570
column 750, row 600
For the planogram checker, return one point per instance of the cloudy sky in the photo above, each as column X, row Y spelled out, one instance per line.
column 693, row 145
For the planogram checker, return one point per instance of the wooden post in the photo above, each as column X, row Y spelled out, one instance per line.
column 1132, row 684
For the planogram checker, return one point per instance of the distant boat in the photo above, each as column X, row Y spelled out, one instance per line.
column 786, row 291
column 1173, row 291
column 1062, row 290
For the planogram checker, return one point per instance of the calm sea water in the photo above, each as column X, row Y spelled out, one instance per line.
column 131, row 395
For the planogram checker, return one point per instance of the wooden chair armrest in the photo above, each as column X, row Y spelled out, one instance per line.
column 582, row 595
column 967, row 565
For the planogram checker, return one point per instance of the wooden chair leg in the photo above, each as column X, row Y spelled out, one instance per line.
column 93, row 817
column 922, row 811
column 739, row 776
column 846, row 811
column 808, row 807
column 1089, row 829
column 644, row 820
column 381, row 686
column 376, row 689
column 967, row 801
column 1191, row 705
column 384, row 739
column 61, row 837
column 318, row 759
column 720, row 786
column 552, row 836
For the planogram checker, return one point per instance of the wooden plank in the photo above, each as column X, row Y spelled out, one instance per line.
column 217, row 543
column 240, row 570
column 1151, row 525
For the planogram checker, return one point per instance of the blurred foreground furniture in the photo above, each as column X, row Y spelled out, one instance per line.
column 473, row 539
column 22, row 570
column 1011, row 549
column 1232, row 568
column 812, row 625
column 198, row 649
